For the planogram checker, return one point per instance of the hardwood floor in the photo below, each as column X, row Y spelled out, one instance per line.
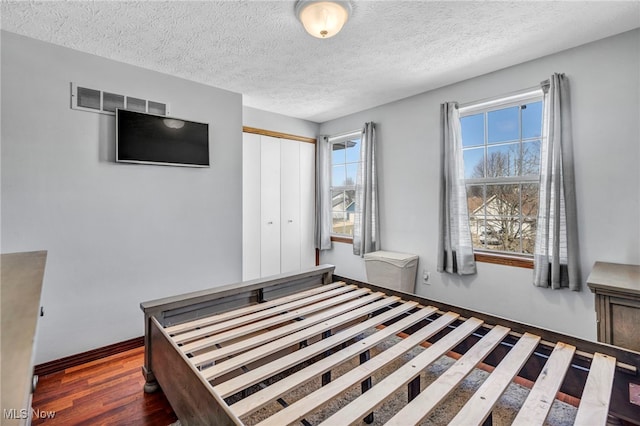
column 103, row 392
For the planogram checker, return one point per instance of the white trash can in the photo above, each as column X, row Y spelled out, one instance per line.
column 396, row 271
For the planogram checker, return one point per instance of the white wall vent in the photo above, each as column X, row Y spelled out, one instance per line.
column 100, row 101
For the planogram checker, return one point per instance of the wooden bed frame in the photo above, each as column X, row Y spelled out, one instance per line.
column 204, row 347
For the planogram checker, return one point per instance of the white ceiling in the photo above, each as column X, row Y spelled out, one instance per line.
column 387, row 51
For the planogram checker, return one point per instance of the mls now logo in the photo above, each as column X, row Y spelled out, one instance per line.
column 23, row 414
column 42, row 414
column 14, row 413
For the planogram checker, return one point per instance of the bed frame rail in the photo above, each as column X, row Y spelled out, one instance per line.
column 627, row 365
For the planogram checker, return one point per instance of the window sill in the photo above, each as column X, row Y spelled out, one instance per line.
column 504, row 259
column 347, row 240
column 484, row 257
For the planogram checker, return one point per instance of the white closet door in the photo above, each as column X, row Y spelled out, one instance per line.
column 270, row 206
column 251, row 222
column 290, row 205
column 307, row 204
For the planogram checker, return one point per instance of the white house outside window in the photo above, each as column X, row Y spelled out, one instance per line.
column 501, row 143
column 345, row 160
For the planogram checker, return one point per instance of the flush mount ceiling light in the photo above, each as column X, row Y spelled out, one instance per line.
column 323, row 19
column 172, row 123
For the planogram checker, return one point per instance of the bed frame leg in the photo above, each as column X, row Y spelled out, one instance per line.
column 326, row 377
column 413, row 388
column 151, row 387
column 151, row 384
column 366, row 384
column 489, row 420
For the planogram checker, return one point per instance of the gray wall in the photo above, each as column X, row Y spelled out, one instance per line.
column 265, row 120
column 117, row 234
column 605, row 84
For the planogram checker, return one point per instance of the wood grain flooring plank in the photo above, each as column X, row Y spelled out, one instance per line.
column 104, row 392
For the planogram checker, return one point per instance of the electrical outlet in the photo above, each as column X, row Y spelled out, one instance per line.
column 425, row 276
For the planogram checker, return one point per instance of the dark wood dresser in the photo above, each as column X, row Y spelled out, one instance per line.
column 617, row 291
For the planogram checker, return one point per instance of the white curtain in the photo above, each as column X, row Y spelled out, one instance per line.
column 556, row 255
column 455, row 248
column 366, row 227
column 322, row 234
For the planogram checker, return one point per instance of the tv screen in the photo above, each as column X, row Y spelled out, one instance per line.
column 157, row 139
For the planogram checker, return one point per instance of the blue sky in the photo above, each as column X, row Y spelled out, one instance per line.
column 502, row 126
column 342, row 172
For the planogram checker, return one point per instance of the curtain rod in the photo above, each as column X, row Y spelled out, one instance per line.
column 488, row 101
column 344, row 135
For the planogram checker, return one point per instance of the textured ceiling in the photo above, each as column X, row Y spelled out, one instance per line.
column 387, row 51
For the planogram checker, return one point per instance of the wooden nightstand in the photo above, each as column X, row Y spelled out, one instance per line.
column 617, row 291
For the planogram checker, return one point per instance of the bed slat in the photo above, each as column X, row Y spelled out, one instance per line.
column 281, row 319
column 261, row 343
column 426, row 401
column 261, row 373
column 594, row 404
column 257, row 400
column 359, row 408
column 257, row 316
column 264, row 350
column 537, row 405
column 479, row 406
column 285, row 330
column 300, row 408
column 214, row 319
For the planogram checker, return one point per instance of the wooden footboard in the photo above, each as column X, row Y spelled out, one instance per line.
column 258, row 363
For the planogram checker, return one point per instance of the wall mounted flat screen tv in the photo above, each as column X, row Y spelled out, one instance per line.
column 157, row 139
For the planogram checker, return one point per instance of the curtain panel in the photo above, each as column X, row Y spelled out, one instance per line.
column 322, row 231
column 556, row 254
column 455, row 248
column 366, row 227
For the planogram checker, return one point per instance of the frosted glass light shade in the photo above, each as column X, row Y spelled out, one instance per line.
column 172, row 123
column 323, row 19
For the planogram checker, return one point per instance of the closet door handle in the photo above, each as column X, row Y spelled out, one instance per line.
column 290, row 221
column 270, row 222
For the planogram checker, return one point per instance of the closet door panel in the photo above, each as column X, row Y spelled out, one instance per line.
column 270, row 206
column 307, row 204
column 251, row 222
column 290, row 205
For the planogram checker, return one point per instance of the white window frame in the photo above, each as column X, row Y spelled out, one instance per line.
column 336, row 139
column 486, row 106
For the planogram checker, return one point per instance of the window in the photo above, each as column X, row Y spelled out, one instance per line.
column 345, row 160
column 501, row 143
